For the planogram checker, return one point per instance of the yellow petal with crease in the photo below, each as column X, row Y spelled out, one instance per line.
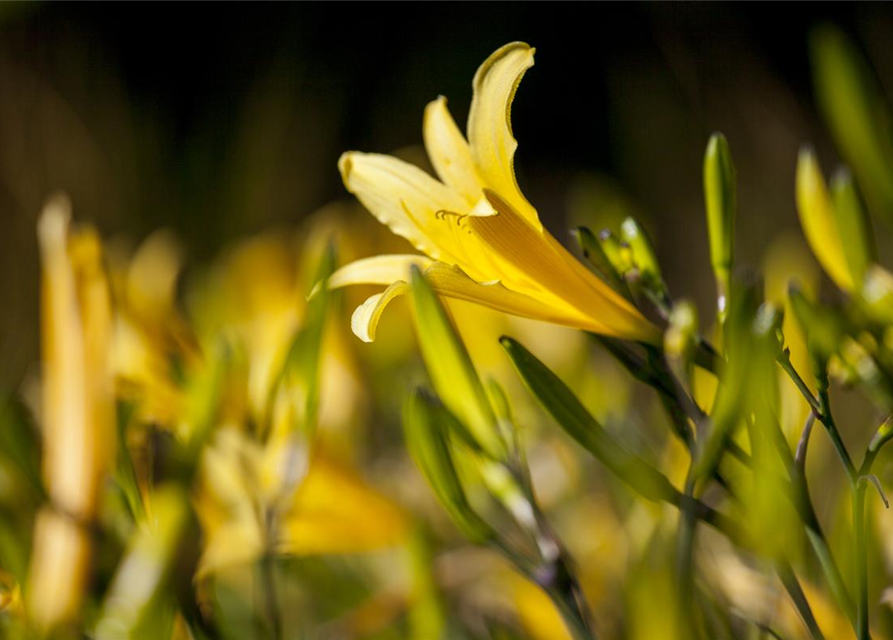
column 364, row 320
column 449, row 152
column 378, row 270
column 489, row 123
column 403, row 197
column 542, row 259
column 451, row 282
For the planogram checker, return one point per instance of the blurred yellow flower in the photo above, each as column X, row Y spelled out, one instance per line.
column 78, row 411
column 256, row 498
column 483, row 239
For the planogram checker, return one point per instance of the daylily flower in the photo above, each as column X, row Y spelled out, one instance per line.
column 483, row 240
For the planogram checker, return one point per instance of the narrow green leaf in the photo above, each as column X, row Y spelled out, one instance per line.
column 125, row 472
column 745, row 348
column 573, row 417
column 301, row 368
column 143, row 577
column 426, row 425
column 451, row 370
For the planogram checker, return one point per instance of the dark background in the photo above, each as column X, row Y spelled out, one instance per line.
column 220, row 120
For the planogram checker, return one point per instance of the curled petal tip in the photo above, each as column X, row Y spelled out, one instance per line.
column 345, row 164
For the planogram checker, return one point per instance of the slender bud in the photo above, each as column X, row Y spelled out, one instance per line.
column 642, row 250
column 595, row 254
column 877, row 294
column 720, row 202
column 681, row 335
column 618, row 253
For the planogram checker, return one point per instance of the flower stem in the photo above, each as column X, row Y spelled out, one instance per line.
column 860, row 562
column 784, row 360
column 827, row 419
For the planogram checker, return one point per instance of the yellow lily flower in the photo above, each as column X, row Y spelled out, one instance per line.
column 483, row 239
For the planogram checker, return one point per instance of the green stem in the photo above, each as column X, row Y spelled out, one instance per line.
column 685, row 555
column 828, row 420
column 860, row 562
column 784, row 360
column 271, row 599
column 803, row 503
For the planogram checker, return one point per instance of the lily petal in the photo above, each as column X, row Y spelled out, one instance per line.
column 451, row 282
column 403, row 197
column 449, row 152
column 489, row 123
column 564, row 282
column 817, row 219
column 378, row 270
column 364, row 320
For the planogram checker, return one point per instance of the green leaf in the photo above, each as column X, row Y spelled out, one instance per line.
column 20, row 443
column 144, row 576
column 720, row 202
column 573, row 417
column 851, row 101
column 125, row 472
column 451, row 370
column 426, row 425
column 749, row 342
column 301, row 369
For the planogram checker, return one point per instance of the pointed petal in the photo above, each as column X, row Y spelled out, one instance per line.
column 489, row 123
column 817, row 219
column 448, row 151
column 378, row 270
column 563, row 281
column 364, row 320
column 403, row 197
